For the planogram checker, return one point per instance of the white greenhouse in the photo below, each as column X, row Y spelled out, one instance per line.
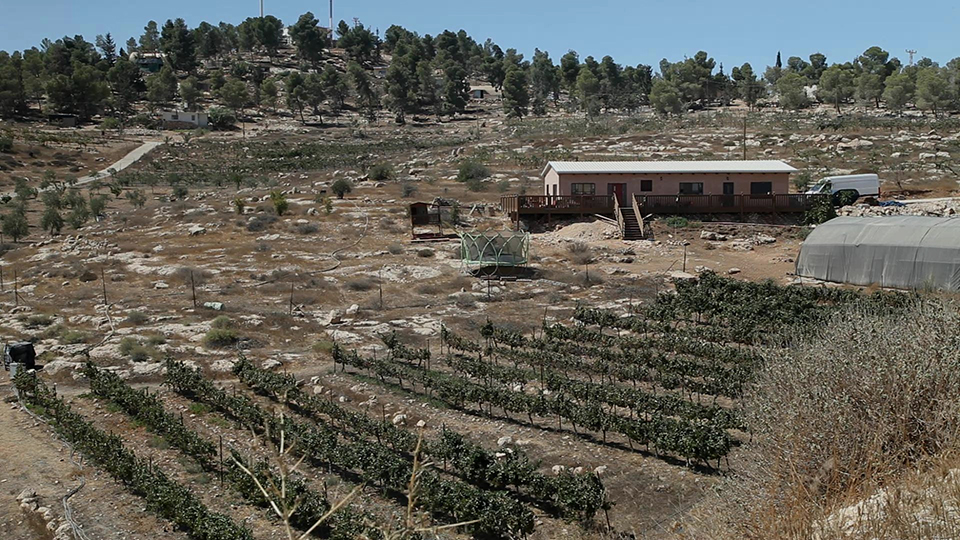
column 905, row 252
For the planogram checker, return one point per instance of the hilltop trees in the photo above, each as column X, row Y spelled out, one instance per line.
column 665, row 97
column 178, row 46
column 309, row 38
column 933, row 91
column 515, row 95
column 899, row 90
column 836, row 86
column 792, row 93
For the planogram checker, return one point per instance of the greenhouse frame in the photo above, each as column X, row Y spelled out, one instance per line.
column 509, row 249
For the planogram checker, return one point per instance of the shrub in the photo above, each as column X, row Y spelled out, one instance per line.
column 341, row 187
column 395, row 249
column 221, row 321
column 322, row 347
column 475, row 185
column 425, row 253
column 220, row 337
column 821, row 212
column 6, row 144
column 472, row 170
column 110, row 123
column 408, row 189
column 845, row 408
column 221, row 118
column 155, row 340
column 360, row 284
column 260, row 223
column 73, row 337
column 38, row 321
column 579, row 253
column 179, row 193
column 307, row 228
column 279, row 201
column 136, row 318
column 677, row 222
column 381, row 172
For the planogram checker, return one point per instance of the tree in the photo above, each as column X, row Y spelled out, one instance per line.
column 455, row 89
column 749, row 87
column 398, row 91
column 137, row 198
column 83, row 92
column 234, row 95
column 132, row 46
column 125, row 83
column 570, row 70
column 108, row 48
column 296, row 94
column 265, row 32
column 51, row 220
column 869, row 87
column 792, row 93
column 162, row 86
column 190, row 92
column 341, row 187
column 15, row 224
column 280, row 204
column 309, row 38
column 177, row 43
column 367, row 99
column 588, row 91
column 334, row 87
column 221, row 118
column 269, row 94
column 313, row 93
column 150, row 40
column 516, row 97
column 899, row 91
column 544, row 77
column 359, row 42
column 836, row 86
column 933, row 91
column 428, row 89
column 665, row 97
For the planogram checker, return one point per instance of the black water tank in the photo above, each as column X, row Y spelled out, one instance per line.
column 23, row 353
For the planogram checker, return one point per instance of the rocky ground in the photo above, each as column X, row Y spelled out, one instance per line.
column 176, row 274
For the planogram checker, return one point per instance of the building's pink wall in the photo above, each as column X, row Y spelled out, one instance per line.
column 666, row 184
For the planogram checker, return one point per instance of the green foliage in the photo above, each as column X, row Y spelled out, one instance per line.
column 220, row 337
column 221, row 322
column 163, row 495
column 309, row 38
column 790, row 88
column 51, row 220
column 179, row 193
column 898, row 91
column 221, row 118
column 516, row 96
column 190, row 92
column 472, row 170
column 6, row 144
column 279, row 201
column 234, row 94
column 665, row 97
column 15, row 225
column 162, row 86
column 137, row 198
column 836, row 86
column 933, row 91
column 381, row 172
column 588, row 91
column 341, row 187
column 677, row 222
column 821, row 212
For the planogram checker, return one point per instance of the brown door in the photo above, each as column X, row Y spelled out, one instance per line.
column 617, row 190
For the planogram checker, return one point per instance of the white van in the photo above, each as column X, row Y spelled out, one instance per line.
column 853, row 185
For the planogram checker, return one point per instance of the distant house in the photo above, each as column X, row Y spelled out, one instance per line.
column 184, row 119
column 151, row 62
column 628, row 178
column 483, row 92
column 379, row 71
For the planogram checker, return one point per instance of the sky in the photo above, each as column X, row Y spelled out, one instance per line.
column 633, row 32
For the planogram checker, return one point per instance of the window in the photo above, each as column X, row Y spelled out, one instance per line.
column 174, row 116
column 646, row 185
column 728, row 188
column 761, row 188
column 554, row 189
column 691, row 188
column 193, row 117
column 583, row 189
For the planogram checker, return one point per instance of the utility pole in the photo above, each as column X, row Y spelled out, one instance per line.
column 261, row 9
column 331, row 20
column 911, row 52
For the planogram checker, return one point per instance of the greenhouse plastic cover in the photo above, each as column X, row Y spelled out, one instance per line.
column 907, row 252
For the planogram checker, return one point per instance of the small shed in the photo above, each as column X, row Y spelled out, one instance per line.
column 184, row 119
column 420, row 214
column 63, row 120
column 905, row 252
column 482, row 92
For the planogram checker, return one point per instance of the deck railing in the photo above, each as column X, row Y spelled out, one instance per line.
column 535, row 204
column 710, row 204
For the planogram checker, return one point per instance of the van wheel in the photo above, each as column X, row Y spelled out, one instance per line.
column 845, row 197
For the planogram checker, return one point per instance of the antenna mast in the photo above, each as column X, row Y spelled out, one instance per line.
column 331, row 20
column 911, row 52
column 261, row 9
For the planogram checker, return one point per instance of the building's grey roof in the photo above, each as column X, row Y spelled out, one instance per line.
column 667, row 167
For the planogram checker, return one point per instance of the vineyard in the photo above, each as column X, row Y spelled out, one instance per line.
column 664, row 380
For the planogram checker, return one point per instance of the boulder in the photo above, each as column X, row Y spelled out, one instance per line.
column 733, row 271
column 711, row 235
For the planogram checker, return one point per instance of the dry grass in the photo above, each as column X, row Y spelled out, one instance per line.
column 846, row 410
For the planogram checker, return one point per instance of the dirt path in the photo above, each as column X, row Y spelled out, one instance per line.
column 33, row 458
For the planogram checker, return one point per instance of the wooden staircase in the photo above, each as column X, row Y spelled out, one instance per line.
column 631, row 224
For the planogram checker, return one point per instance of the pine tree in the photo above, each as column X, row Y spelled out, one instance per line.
column 516, row 97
